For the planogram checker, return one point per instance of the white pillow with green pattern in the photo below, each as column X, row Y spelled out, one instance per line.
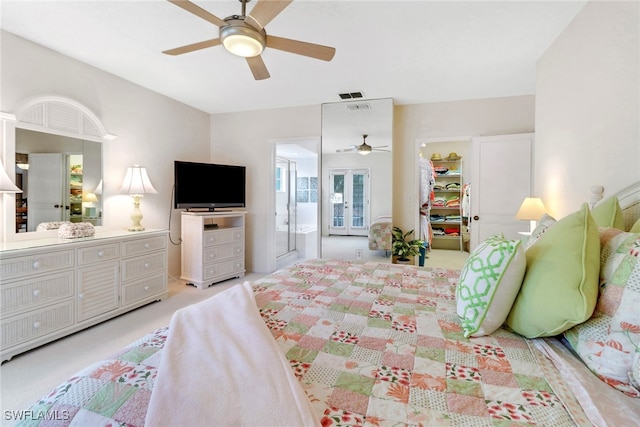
column 489, row 283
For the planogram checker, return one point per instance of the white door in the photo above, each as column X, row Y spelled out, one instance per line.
column 501, row 179
column 46, row 188
column 349, row 202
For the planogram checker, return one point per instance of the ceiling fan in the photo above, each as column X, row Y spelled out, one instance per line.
column 244, row 35
column 363, row 148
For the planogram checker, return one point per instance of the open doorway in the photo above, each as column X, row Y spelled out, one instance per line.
column 296, row 201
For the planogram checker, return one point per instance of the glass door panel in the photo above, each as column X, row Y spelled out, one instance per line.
column 349, row 202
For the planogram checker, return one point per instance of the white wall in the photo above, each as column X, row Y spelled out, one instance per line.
column 587, row 107
column 152, row 130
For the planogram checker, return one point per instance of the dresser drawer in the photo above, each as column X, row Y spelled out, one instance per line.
column 40, row 263
column 141, row 289
column 98, row 253
column 224, row 268
column 220, row 253
column 142, row 266
column 218, row 237
column 143, row 246
column 35, row 292
column 19, row 329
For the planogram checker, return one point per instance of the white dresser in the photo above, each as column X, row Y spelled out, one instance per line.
column 212, row 247
column 50, row 289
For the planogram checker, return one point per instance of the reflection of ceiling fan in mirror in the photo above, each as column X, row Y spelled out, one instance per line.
column 244, row 35
column 363, row 148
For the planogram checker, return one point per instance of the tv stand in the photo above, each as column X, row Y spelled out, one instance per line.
column 212, row 247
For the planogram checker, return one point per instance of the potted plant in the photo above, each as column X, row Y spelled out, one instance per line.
column 404, row 248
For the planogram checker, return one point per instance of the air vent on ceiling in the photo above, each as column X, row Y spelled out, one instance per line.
column 352, row 95
column 359, row 106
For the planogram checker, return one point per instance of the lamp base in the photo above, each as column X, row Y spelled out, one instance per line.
column 136, row 215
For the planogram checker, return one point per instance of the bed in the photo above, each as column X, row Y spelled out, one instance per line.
column 380, row 234
column 370, row 344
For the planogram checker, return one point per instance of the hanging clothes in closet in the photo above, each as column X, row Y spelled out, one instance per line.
column 466, row 213
column 427, row 182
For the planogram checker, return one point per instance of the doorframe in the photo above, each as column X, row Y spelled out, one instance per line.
column 270, row 188
column 421, row 143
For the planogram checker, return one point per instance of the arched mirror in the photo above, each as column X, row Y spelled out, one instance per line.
column 53, row 148
column 357, row 179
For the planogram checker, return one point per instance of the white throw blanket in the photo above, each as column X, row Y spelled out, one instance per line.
column 222, row 367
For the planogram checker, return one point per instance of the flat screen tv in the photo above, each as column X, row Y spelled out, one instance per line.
column 207, row 185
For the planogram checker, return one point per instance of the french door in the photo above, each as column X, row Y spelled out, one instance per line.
column 349, row 202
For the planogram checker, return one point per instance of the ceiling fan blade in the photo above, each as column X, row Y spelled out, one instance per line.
column 198, row 11
column 380, row 146
column 316, row 51
column 264, row 11
column 258, row 69
column 191, row 47
column 344, row 150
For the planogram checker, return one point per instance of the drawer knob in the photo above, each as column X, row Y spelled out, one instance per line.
column 146, row 246
column 100, row 254
column 36, row 293
column 80, row 295
column 36, row 265
column 146, row 288
column 36, row 325
column 146, row 265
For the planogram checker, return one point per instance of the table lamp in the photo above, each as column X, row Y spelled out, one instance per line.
column 137, row 183
column 531, row 210
column 6, row 185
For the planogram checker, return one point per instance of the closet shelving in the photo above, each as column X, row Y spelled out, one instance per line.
column 446, row 213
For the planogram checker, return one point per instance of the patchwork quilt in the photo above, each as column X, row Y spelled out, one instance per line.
column 381, row 344
column 372, row 344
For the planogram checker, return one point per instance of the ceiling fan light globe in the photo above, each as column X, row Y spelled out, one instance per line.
column 364, row 153
column 242, row 40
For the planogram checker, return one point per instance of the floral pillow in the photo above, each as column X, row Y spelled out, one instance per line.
column 543, row 225
column 609, row 341
column 488, row 285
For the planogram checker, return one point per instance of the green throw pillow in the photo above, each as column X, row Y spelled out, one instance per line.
column 635, row 228
column 608, row 213
column 560, row 286
column 488, row 285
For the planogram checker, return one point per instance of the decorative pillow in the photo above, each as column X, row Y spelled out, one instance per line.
column 560, row 286
column 76, row 230
column 543, row 225
column 54, row 225
column 608, row 213
column 488, row 285
column 608, row 342
column 636, row 227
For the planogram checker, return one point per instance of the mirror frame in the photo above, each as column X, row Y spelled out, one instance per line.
column 47, row 114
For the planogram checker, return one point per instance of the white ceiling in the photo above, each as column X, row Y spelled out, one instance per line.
column 412, row 51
